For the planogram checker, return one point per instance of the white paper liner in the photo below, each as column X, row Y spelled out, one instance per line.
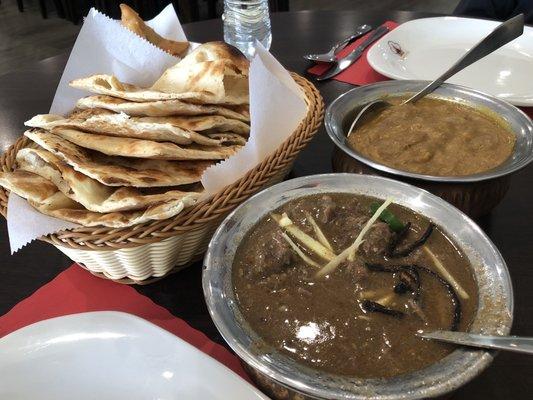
column 104, row 46
column 25, row 223
column 276, row 109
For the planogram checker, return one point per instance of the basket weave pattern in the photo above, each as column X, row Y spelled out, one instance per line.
column 192, row 228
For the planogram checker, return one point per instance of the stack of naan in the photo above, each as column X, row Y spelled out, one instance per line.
column 128, row 155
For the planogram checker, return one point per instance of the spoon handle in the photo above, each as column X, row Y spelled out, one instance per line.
column 503, row 34
column 509, row 343
column 360, row 31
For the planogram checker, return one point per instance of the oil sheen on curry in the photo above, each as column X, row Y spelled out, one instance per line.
column 434, row 137
column 342, row 283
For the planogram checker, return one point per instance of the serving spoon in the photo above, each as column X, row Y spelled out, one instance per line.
column 503, row 34
column 508, row 343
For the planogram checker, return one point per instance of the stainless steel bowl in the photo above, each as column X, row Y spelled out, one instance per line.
column 494, row 315
column 474, row 194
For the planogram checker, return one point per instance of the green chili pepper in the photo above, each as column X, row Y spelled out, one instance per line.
column 388, row 217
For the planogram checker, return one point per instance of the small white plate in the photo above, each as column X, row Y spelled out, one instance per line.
column 110, row 355
column 431, row 45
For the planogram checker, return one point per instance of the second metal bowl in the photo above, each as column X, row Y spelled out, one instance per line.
column 474, row 194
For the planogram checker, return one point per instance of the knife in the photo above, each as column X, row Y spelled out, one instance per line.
column 345, row 62
column 330, row 55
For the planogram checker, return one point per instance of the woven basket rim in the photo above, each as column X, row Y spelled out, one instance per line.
column 105, row 238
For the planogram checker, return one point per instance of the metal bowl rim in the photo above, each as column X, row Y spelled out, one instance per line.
column 496, row 172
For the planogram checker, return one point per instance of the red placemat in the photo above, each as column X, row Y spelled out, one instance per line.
column 361, row 73
column 75, row 291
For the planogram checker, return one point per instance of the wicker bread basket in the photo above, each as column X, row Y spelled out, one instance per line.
column 144, row 252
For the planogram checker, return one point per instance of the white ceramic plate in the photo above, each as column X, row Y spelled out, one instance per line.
column 110, row 355
column 431, row 45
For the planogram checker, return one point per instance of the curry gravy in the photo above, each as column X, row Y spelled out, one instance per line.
column 434, row 137
column 325, row 322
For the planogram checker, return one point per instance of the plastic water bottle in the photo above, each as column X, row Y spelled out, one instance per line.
column 246, row 21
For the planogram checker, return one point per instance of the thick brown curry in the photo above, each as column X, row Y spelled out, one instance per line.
column 361, row 318
column 434, row 137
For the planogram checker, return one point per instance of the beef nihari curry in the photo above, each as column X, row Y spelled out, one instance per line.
column 434, row 137
column 343, row 283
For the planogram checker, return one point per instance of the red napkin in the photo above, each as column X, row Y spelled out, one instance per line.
column 75, row 291
column 360, row 72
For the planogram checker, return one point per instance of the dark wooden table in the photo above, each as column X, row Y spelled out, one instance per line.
column 29, row 91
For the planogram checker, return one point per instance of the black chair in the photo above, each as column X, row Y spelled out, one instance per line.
column 73, row 10
column 278, row 5
column 42, row 7
column 188, row 10
column 274, row 5
column 147, row 9
column 212, row 9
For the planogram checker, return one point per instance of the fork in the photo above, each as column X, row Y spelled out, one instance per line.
column 330, row 55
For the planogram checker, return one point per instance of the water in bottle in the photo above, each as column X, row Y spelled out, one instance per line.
column 246, row 21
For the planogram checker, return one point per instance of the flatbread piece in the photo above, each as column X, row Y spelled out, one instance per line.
column 138, row 148
column 214, row 73
column 162, row 108
column 30, row 186
column 160, row 129
column 92, row 194
column 120, row 171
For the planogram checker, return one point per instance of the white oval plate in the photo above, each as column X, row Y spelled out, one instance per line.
column 110, row 355
column 431, row 45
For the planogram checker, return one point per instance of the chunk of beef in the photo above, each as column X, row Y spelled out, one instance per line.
column 376, row 240
column 348, row 227
column 271, row 257
column 355, row 270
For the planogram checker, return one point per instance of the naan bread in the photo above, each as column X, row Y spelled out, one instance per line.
column 28, row 185
column 131, row 20
column 162, row 108
column 120, row 171
column 90, row 193
column 215, row 68
column 117, row 219
column 162, row 129
column 225, row 86
column 111, row 86
column 214, row 73
column 40, row 194
column 138, row 148
column 228, row 138
column 214, row 51
column 205, row 124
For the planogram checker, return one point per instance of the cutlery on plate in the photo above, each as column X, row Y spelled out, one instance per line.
column 330, row 55
column 509, row 343
column 345, row 62
column 503, row 34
